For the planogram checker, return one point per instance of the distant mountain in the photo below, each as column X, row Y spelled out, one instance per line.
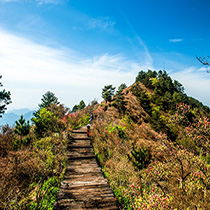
column 13, row 115
column 19, row 111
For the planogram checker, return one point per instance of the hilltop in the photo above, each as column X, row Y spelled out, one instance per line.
column 152, row 141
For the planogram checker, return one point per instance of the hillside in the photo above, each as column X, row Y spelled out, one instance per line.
column 153, row 145
column 151, row 140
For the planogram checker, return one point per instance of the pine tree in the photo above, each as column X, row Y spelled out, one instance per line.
column 5, row 99
column 108, row 92
column 22, row 127
column 47, row 99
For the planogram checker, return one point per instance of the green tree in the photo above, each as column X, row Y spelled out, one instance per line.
column 45, row 122
column 21, row 131
column 74, row 109
column 81, row 105
column 122, row 87
column 47, row 99
column 22, row 127
column 108, row 92
column 5, row 99
column 146, row 78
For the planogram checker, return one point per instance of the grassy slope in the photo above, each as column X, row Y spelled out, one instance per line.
column 145, row 168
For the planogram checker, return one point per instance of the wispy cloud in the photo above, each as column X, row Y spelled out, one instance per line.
column 102, row 23
column 140, row 43
column 29, row 70
column 176, row 40
column 5, row 1
column 40, row 2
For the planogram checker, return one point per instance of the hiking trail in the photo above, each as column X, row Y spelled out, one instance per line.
column 84, row 186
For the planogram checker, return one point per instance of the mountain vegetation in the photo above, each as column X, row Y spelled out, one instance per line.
column 153, row 145
column 5, row 99
column 151, row 140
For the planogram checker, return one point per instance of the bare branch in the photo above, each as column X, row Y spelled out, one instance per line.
column 205, row 60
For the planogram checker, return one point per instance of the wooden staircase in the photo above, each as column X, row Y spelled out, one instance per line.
column 84, row 186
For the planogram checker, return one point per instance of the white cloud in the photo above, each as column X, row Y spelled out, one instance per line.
column 29, row 70
column 176, row 40
column 196, row 83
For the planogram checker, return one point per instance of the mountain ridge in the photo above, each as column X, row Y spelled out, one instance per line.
column 11, row 116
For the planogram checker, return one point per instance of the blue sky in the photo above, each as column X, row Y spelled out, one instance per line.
column 76, row 47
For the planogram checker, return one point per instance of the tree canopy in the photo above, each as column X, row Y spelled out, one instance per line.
column 108, row 92
column 80, row 106
column 47, row 99
column 5, row 99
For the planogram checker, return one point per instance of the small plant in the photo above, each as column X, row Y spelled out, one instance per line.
column 140, row 157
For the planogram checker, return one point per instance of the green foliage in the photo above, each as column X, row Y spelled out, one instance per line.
column 48, row 120
column 75, row 108
column 120, row 131
column 47, row 99
column 167, row 93
column 22, row 127
column 121, row 87
column 21, row 130
column 48, row 192
column 18, row 141
column 146, row 78
column 119, row 102
column 44, row 122
column 78, row 119
column 5, row 99
column 108, row 92
column 127, row 119
column 140, row 157
column 84, row 120
column 79, row 107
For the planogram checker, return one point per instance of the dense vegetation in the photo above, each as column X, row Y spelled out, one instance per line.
column 151, row 139
column 5, row 99
column 32, row 157
column 153, row 145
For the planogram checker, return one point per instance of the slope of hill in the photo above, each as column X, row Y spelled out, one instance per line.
column 153, row 143
column 151, row 140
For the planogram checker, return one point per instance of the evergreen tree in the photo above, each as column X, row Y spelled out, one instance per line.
column 5, row 99
column 108, row 92
column 121, row 87
column 47, row 99
column 74, row 109
column 22, row 127
column 81, row 105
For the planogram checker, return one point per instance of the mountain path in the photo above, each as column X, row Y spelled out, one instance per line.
column 84, row 186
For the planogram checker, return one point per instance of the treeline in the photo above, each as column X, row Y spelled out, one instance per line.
column 167, row 92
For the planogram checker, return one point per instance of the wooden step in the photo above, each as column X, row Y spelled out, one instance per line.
column 81, row 157
column 84, row 186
